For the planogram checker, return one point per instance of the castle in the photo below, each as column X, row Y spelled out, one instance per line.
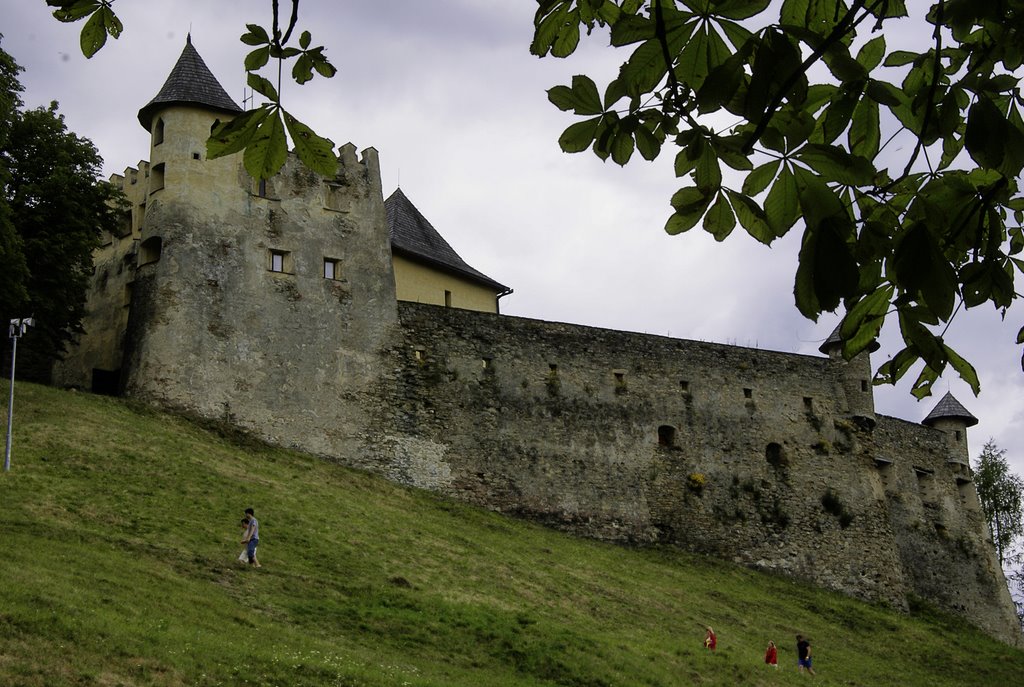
column 317, row 315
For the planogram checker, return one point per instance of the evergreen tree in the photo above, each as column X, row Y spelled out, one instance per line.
column 1002, row 498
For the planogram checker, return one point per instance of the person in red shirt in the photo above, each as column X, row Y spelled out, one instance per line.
column 710, row 640
column 771, row 655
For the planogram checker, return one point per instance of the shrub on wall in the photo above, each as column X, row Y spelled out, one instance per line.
column 696, row 482
column 833, row 505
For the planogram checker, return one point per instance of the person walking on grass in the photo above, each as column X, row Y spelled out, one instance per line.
column 252, row 537
column 243, row 557
column 803, row 655
column 710, row 640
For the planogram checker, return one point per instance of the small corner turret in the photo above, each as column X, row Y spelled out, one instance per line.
column 179, row 119
column 953, row 419
column 190, row 83
column 860, row 397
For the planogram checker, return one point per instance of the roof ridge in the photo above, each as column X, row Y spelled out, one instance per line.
column 412, row 233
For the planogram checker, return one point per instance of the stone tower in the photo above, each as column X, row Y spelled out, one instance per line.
column 256, row 302
column 953, row 419
column 856, row 375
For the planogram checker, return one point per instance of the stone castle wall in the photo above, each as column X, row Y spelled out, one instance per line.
column 758, row 457
column 217, row 303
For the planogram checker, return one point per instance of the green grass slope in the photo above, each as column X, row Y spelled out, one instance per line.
column 119, row 533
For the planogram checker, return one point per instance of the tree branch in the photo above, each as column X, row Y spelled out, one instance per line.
column 840, row 29
column 936, row 75
column 675, row 88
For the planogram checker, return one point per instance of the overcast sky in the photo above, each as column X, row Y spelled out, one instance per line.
column 448, row 93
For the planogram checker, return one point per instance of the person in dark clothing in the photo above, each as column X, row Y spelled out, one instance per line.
column 803, row 654
column 252, row 537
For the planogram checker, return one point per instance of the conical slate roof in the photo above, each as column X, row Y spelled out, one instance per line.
column 949, row 408
column 190, row 83
column 835, row 340
column 414, row 236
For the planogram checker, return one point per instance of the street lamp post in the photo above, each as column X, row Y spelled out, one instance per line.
column 16, row 330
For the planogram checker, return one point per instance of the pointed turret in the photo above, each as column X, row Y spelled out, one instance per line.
column 190, row 83
column 949, row 409
column 833, row 345
column 951, row 417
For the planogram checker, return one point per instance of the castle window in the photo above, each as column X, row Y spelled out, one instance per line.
column 620, row 381
column 553, row 367
column 684, row 386
column 666, row 436
column 447, row 299
column 808, row 404
column 196, row 156
column 748, row 393
column 156, row 178
column 281, row 261
column 150, row 249
column 332, row 268
column 124, row 226
column 863, row 385
column 775, row 456
column 261, row 188
column 158, row 132
column 958, row 434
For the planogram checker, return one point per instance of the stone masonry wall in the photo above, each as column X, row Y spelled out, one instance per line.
column 941, row 533
column 219, row 329
column 754, row 456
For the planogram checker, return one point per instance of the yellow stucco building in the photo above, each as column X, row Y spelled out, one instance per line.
column 427, row 268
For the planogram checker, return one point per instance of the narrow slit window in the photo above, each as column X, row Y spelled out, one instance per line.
column 332, row 268
column 447, row 299
column 158, row 132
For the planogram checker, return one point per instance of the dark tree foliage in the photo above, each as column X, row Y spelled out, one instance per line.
column 14, row 271
column 57, row 211
column 1002, row 499
column 900, row 165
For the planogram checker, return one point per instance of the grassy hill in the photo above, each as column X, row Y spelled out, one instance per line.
column 119, row 532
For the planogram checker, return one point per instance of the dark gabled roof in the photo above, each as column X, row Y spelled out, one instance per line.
column 835, row 340
column 415, row 237
column 950, row 409
column 190, row 83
